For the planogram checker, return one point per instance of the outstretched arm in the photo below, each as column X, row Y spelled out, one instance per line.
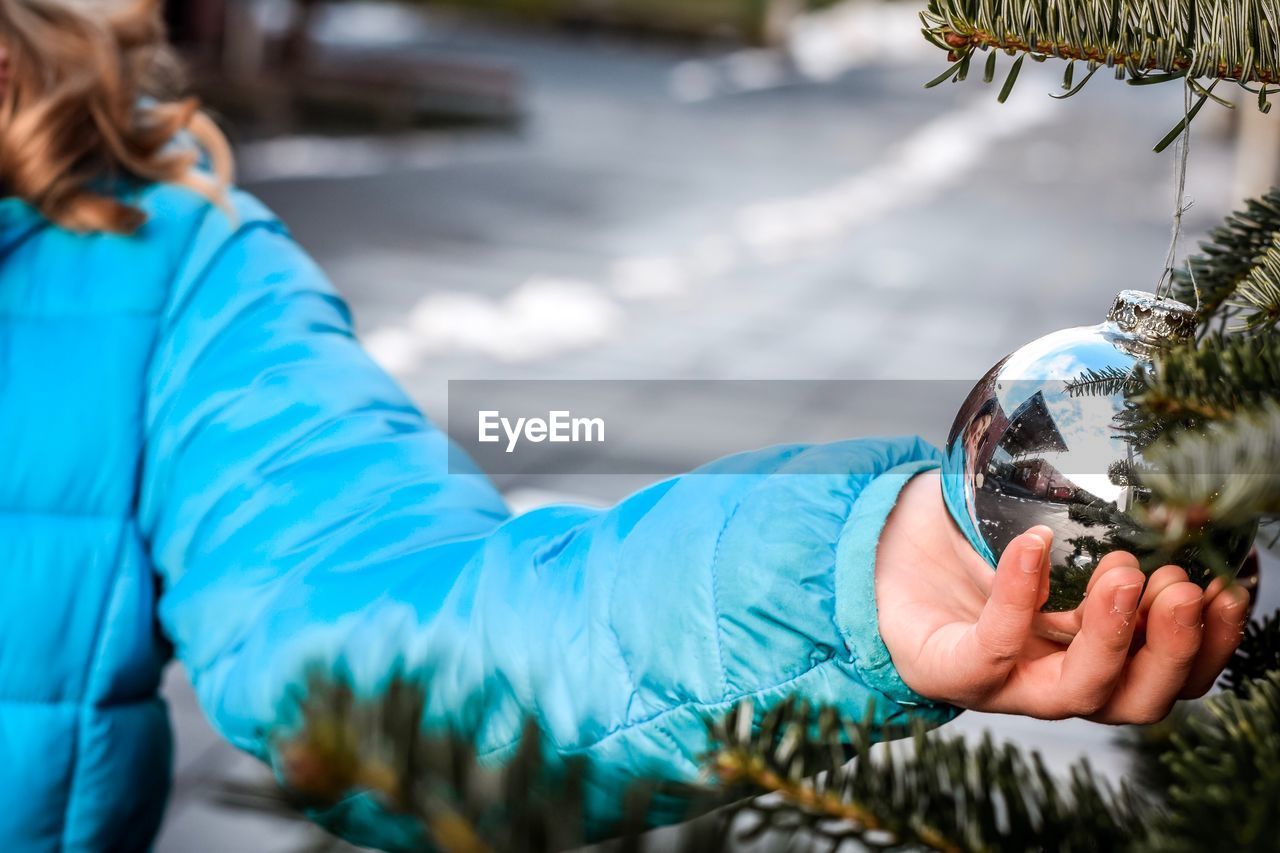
column 301, row 512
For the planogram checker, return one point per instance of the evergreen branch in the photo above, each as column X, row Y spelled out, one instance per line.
column 1257, row 295
column 1207, row 421
column 431, row 784
column 1216, row 379
column 1211, row 278
column 1213, row 771
column 1148, row 745
column 1269, row 535
column 1258, row 655
column 1224, row 474
column 1143, row 41
column 944, row 795
column 1225, row 770
column 1218, row 39
column 1222, row 761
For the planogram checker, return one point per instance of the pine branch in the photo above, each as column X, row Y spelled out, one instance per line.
column 1269, row 535
column 1225, row 769
column 1217, row 379
column 945, row 795
column 1210, row 279
column 431, row 782
column 1225, row 473
column 1220, row 779
column 1206, row 418
column 1143, row 41
column 1212, row 770
column 1148, row 745
column 1258, row 655
column 1258, row 294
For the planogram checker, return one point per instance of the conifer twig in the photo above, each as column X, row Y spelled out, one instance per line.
column 1231, row 255
column 1143, row 41
column 944, row 794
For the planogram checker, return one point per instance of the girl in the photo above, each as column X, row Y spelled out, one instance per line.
column 198, row 459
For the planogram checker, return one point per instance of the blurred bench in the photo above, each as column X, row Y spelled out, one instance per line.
column 276, row 81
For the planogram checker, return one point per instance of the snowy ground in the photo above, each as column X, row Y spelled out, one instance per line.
column 667, row 213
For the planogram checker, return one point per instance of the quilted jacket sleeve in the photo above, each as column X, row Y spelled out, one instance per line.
column 300, row 511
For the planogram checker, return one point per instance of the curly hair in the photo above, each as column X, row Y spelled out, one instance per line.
column 91, row 96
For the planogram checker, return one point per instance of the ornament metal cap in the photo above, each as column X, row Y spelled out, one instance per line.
column 1151, row 319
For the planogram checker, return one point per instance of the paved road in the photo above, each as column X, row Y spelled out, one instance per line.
column 680, row 213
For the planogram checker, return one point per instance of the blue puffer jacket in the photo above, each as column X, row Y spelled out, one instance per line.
column 197, row 456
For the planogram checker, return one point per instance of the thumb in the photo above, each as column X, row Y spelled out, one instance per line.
column 1004, row 624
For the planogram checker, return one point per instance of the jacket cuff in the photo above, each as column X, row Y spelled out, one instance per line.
column 857, row 615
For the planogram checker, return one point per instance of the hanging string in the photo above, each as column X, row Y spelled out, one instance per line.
column 1180, row 204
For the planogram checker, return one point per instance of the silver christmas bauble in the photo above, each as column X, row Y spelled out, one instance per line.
column 1031, row 446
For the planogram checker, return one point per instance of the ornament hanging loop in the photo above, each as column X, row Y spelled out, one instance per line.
column 1180, row 205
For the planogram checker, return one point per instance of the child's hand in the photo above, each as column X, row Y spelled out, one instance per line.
column 958, row 632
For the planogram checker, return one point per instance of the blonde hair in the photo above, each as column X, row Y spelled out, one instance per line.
column 92, row 97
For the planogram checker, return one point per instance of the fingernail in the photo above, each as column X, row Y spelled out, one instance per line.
column 1043, row 531
column 1126, row 599
column 1234, row 613
column 1187, row 614
column 1032, row 557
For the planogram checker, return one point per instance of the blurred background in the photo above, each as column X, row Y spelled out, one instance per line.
column 682, row 189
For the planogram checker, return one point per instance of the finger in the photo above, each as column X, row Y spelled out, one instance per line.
column 987, row 651
column 1062, row 631
column 1058, row 628
column 1160, row 580
column 1158, row 672
column 1096, row 658
column 1107, row 563
column 1046, row 565
column 1215, row 588
column 1224, row 621
column 1248, row 577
